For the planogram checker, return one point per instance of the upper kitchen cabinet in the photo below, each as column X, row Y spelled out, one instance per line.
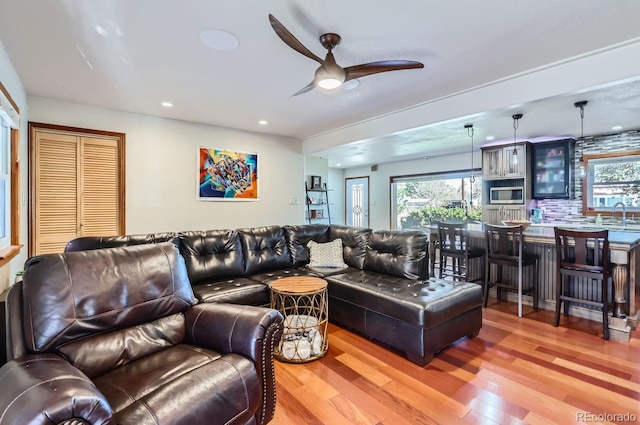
column 501, row 163
column 551, row 165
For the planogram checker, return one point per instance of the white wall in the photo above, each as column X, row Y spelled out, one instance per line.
column 380, row 187
column 316, row 166
column 13, row 85
column 335, row 178
column 161, row 171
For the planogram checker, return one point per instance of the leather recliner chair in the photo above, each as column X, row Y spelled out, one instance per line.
column 115, row 336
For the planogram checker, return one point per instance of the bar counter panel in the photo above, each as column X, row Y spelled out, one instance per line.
column 540, row 240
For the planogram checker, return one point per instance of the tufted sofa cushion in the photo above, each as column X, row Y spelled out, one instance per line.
column 265, row 249
column 240, row 290
column 212, row 255
column 397, row 253
column 354, row 243
column 299, row 236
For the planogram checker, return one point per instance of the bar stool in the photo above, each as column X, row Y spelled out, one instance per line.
column 454, row 245
column 504, row 247
column 584, row 256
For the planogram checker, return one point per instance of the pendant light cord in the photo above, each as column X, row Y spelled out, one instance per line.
column 581, row 106
column 515, row 117
column 582, row 133
column 469, row 128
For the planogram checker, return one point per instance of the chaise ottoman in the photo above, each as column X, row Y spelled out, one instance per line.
column 417, row 317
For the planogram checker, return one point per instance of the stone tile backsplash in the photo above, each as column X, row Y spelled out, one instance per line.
column 570, row 210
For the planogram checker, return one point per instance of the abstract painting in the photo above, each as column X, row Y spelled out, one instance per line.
column 227, row 175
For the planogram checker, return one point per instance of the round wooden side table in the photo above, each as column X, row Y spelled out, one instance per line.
column 303, row 302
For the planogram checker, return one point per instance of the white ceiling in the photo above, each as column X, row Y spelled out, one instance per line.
column 132, row 55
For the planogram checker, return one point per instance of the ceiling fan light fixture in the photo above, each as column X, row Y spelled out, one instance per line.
column 329, row 77
column 329, row 83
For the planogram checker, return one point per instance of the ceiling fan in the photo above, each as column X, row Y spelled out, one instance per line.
column 329, row 74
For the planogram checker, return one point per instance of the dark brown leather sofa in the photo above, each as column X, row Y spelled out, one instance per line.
column 384, row 293
column 115, row 336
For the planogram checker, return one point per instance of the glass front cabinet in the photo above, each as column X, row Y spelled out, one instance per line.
column 551, row 166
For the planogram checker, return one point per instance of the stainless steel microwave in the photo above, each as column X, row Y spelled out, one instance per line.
column 506, row 195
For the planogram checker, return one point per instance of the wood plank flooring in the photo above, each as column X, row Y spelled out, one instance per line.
column 516, row 371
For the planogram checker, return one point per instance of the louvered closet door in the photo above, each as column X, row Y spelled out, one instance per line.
column 99, row 189
column 56, row 206
column 76, row 188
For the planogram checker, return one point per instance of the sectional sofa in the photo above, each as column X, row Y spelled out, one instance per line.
column 381, row 291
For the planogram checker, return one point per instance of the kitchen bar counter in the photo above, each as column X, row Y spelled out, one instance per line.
column 618, row 238
column 539, row 239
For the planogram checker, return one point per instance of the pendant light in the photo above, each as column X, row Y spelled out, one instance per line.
column 469, row 128
column 581, row 105
column 515, row 117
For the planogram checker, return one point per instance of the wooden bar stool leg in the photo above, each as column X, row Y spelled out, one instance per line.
column 487, row 276
column 499, row 280
column 605, row 306
column 568, row 287
column 559, row 278
column 520, row 289
column 534, row 282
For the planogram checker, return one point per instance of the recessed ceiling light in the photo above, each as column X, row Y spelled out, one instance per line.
column 616, row 127
column 101, row 31
column 427, row 157
column 338, row 164
column 167, row 104
column 490, row 138
column 263, row 122
column 219, row 40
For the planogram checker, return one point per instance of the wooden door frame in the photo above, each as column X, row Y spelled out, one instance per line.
column 76, row 131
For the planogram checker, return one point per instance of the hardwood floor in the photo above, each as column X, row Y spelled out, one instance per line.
column 516, row 371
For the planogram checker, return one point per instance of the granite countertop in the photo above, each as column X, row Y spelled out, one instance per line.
column 616, row 237
column 543, row 233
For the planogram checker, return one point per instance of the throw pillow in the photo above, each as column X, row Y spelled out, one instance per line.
column 326, row 254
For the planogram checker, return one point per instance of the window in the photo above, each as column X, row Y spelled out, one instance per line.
column 416, row 200
column 9, row 180
column 612, row 178
column 5, row 181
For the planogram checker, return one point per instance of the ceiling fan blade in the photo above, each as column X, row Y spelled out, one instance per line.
column 305, row 89
column 358, row 71
column 290, row 40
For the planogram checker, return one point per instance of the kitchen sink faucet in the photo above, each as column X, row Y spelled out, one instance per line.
column 624, row 212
